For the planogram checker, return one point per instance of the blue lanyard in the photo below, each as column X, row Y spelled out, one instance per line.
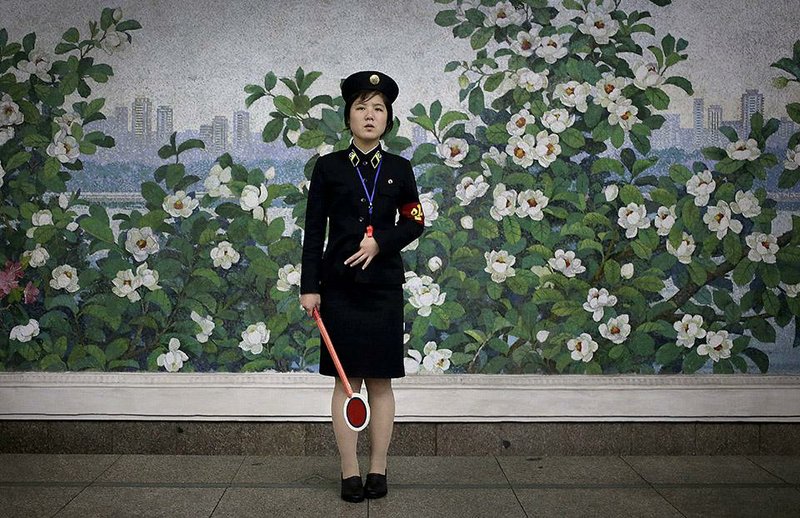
column 370, row 197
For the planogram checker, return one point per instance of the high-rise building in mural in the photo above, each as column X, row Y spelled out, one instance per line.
column 698, row 120
column 241, row 130
column 164, row 124
column 714, row 117
column 219, row 139
column 119, row 123
column 752, row 102
column 141, row 121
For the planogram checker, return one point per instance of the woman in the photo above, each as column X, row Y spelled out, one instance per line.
column 357, row 281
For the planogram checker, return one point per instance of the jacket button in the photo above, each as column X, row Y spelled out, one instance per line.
column 363, row 200
column 361, row 219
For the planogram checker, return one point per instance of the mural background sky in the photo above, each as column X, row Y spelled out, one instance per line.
column 197, row 55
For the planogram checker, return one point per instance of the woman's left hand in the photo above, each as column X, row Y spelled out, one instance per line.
column 368, row 250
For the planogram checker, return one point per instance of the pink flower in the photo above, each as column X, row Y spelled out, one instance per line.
column 14, row 268
column 31, row 293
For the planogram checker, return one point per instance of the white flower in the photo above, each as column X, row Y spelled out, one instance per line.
column 525, row 43
column 469, row 189
column 430, row 208
column 503, row 14
column 685, row 249
column 719, row 220
column 288, row 276
column 689, row 328
column 547, row 148
column 179, row 204
column 532, row 81
column 792, row 158
column 37, row 257
column 6, row 134
column 518, row 122
column 646, row 75
column 206, row 324
column 114, row 41
column 632, row 217
column 65, row 277
column 499, row 264
column 597, row 301
column 504, row 202
column 9, row 112
column 269, row 174
column 791, row 289
column 38, row 64
column 424, row 294
column 173, row 360
column 557, row 120
column 2, row 173
column 552, row 48
column 623, row 112
column 608, row 89
column 763, row 247
column 493, row 155
column 522, row 150
column 224, row 255
column 616, row 330
column 141, row 242
column 531, row 203
column 324, row 148
column 64, row 147
column 600, row 26
column 467, row 223
column 542, row 336
column 436, row 360
column 411, row 246
column 412, row 361
column 566, row 263
column 626, row 271
column 453, row 150
column 254, row 338
column 701, row 185
column 125, row 284
column 582, row 347
column 746, row 204
column 215, row 182
column 25, row 332
column 42, row 218
column 251, row 199
column 574, row 94
column 148, row 277
column 665, row 218
column 743, row 150
column 72, row 226
column 718, row 345
column 434, row 263
column 303, row 186
column 293, row 135
column 63, row 201
column 611, row 192
column 66, row 121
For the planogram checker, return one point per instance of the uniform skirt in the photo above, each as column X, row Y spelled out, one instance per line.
column 365, row 323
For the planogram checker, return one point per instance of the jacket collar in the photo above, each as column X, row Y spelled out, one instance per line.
column 371, row 158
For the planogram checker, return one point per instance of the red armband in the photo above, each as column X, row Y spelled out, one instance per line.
column 413, row 211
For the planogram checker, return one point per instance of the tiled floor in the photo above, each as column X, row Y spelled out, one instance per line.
column 34, row 485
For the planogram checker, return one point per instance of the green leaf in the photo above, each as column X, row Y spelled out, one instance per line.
column 191, row 144
column 476, row 102
column 657, row 97
column 573, row 138
column 311, row 139
column 607, row 164
column 98, row 229
column 682, row 83
column 759, row 358
column 630, row 194
column 481, row 37
column 793, row 110
column 679, row 173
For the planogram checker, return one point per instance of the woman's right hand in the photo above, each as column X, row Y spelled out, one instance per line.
column 309, row 301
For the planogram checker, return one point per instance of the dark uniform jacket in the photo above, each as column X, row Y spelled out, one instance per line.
column 337, row 200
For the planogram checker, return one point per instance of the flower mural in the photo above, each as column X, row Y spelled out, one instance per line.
column 550, row 244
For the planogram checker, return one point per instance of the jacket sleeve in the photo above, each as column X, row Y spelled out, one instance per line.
column 412, row 220
column 314, row 237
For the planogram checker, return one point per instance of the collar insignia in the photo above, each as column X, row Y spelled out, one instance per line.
column 376, row 159
column 353, row 156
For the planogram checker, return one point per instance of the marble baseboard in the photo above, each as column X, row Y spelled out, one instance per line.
column 409, row 439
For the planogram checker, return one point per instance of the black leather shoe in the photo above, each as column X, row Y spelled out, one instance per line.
column 352, row 489
column 375, row 487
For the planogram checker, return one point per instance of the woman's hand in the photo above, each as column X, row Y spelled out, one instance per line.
column 309, row 301
column 369, row 249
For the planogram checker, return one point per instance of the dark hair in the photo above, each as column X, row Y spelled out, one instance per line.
column 364, row 95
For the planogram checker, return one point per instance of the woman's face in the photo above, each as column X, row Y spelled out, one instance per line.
column 368, row 118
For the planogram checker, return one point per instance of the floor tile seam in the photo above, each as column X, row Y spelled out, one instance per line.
column 118, row 456
column 516, row 497
column 659, row 493
column 218, row 502
column 765, row 469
